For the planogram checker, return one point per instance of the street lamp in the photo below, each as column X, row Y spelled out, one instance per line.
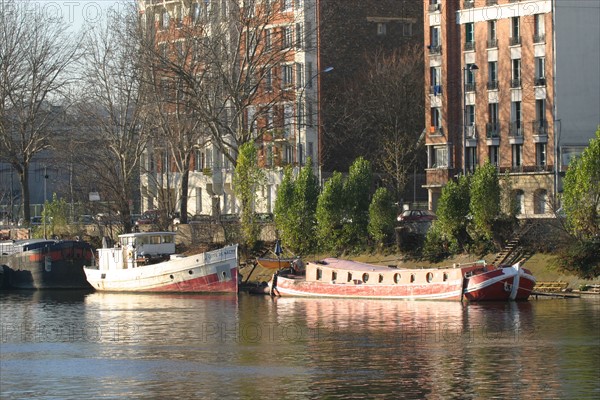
column 301, row 112
column 467, row 70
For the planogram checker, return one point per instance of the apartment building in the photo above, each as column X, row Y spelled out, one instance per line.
column 310, row 48
column 508, row 83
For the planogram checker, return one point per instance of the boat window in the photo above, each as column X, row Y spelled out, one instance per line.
column 167, row 239
column 412, row 278
column 396, row 278
column 333, row 275
column 349, row 276
column 429, row 276
column 380, row 278
column 445, row 276
column 319, row 274
column 365, row 277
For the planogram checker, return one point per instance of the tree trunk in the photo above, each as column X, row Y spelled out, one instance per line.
column 185, row 178
column 23, row 171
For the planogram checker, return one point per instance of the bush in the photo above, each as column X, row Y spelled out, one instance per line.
column 580, row 257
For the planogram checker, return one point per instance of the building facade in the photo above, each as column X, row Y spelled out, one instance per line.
column 505, row 86
column 320, row 44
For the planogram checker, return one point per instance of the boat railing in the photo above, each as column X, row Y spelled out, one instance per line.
column 9, row 248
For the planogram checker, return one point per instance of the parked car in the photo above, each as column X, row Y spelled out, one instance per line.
column 416, row 216
column 85, row 219
column 149, row 217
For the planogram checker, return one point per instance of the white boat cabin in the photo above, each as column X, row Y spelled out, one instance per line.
column 137, row 249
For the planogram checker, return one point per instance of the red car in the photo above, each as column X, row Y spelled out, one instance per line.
column 149, row 217
column 416, row 216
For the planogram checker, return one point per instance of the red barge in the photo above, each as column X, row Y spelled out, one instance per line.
column 476, row 281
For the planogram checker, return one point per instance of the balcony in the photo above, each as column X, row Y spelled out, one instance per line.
column 515, row 83
column 470, row 86
column 540, row 127
column 434, row 7
column 435, row 90
column 470, row 46
column 515, row 130
column 468, row 4
column 435, row 49
column 539, row 82
column 437, row 177
column 471, row 132
column 539, row 38
column 492, row 85
column 492, row 130
column 492, row 43
column 515, row 41
column 491, row 2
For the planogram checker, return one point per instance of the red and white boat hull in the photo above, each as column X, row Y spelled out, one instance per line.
column 507, row 283
column 215, row 271
column 343, row 278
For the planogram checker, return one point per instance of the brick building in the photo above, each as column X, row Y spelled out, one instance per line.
column 507, row 84
column 323, row 42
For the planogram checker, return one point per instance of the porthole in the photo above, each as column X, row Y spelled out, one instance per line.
column 380, row 278
column 319, row 274
column 397, row 278
column 349, row 277
column 171, row 276
column 429, row 276
column 333, row 275
column 191, row 272
column 412, row 278
column 365, row 277
column 445, row 276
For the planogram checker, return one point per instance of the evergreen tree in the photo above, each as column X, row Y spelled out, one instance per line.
column 330, row 213
column 382, row 216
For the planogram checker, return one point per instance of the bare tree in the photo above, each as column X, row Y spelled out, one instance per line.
column 223, row 63
column 36, row 54
column 112, row 109
column 382, row 114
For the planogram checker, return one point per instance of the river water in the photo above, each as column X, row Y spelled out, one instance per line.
column 75, row 345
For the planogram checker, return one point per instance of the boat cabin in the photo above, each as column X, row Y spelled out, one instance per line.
column 137, row 249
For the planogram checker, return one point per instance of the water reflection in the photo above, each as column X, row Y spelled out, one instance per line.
column 85, row 344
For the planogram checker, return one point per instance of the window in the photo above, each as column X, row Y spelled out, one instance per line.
column 470, row 118
column 310, row 152
column 515, row 31
column 166, row 18
column 494, row 157
column 287, row 76
column 492, row 75
column 268, row 80
column 286, row 5
column 196, row 13
column 515, row 118
column 436, row 120
column 492, row 39
column 470, row 78
column 493, row 127
column 309, row 73
column 517, row 156
column 540, row 74
column 381, row 29
column 520, row 201
column 469, row 36
column 540, row 110
column 439, row 157
column 251, row 119
column 540, row 155
column 541, row 199
column 434, row 40
column 471, row 158
column 299, row 36
column 288, row 119
column 539, row 29
column 200, row 160
column 407, row 29
column 267, row 39
column 436, row 80
column 286, row 37
column 516, row 73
